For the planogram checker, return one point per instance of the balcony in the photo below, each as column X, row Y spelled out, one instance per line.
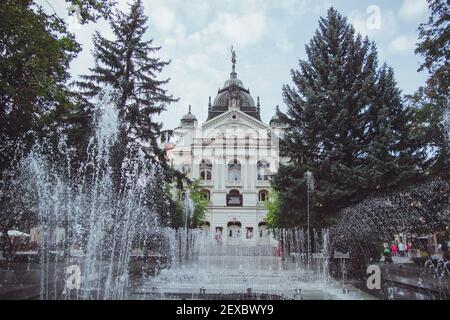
column 234, row 183
column 263, row 183
column 206, row 183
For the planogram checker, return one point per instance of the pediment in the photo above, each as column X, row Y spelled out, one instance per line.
column 234, row 118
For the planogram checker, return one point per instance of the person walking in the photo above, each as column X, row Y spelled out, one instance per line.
column 387, row 254
column 408, row 249
column 402, row 249
column 394, row 249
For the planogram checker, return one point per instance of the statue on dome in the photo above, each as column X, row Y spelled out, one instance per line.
column 233, row 58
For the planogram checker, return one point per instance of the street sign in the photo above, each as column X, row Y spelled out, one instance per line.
column 341, row 255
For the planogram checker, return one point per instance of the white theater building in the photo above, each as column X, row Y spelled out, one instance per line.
column 234, row 154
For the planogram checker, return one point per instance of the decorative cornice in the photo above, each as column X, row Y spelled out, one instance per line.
column 251, row 119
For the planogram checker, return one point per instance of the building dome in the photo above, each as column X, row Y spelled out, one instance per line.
column 233, row 82
column 245, row 99
column 275, row 120
column 233, row 95
column 188, row 118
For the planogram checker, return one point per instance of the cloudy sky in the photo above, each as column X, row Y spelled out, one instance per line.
column 269, row 37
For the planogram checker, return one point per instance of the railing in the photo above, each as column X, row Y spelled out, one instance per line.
column 260, row 204
column 263, row 183
column 234, row 183
column 206, row 183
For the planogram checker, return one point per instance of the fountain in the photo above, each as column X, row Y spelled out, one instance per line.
column 205, row 268
column 100, row 228
column 110, row 238
column 364, row 228
column 213, row 270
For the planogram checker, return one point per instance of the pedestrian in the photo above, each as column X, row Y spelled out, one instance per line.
column 387, row 254
column 402, row 249
column 408, row 249
column 394, row 249
column 218, row 236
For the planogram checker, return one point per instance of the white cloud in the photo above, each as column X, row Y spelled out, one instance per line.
column 162, row 18
column 240, row 30
column 358, row 20
column 413, row 9
column 402, row 45
column 294, row 7
column 269, row 36
column 243, row 30
column 388, row 24
column 284, row 44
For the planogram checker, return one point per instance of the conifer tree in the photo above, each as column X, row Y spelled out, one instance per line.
column 347, row 125
column 391, row 155
column 431, row 103
column 128, row 65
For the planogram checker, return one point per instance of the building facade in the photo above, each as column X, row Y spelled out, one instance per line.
column 234, row 155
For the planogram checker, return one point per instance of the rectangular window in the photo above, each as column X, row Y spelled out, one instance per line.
column 249, row 233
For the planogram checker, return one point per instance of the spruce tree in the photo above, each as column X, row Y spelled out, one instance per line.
column 391, row 155
column 128, row 65
column 431, row 103
column 347, row 125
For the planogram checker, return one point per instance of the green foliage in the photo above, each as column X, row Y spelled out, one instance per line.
column 128, row 65
column 347, row 125
column 36, row 104
column 430, row 103
column 273, row 206
column 430, row 133
column 178, row 216
column 200, row 203
column 420, row 209
column 199, row 206
column 434, row 46
column 92, row 10
column 36, row 52
column 159, row 196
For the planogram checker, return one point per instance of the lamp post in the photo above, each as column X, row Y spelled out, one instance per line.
column 309, row 188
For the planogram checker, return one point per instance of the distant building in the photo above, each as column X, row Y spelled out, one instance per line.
column 234, row 154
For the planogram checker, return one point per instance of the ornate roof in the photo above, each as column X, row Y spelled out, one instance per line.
column 188, row 117
column 275, row 120
column 233, row 95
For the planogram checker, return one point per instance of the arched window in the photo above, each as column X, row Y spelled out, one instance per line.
column 234, row 229
column 205, row 170
column 263, row 170
column 206, row 194
column 234, row 170
column 205, row 226
column 264, row 232
column 263, row 195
